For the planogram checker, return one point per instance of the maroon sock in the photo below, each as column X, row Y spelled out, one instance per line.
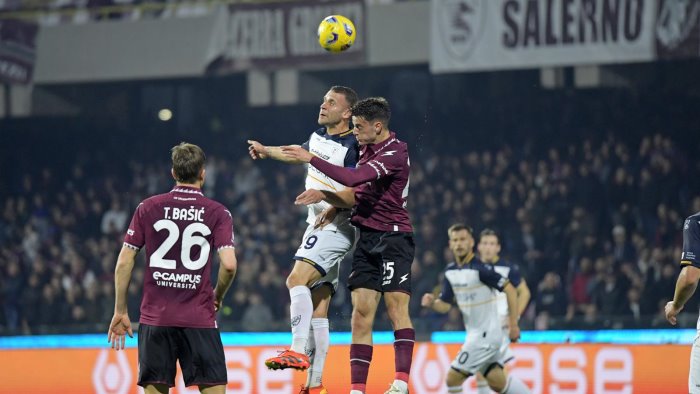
column 360, row 358
column 403, row 352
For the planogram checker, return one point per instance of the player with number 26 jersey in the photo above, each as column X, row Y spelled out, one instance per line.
column 179, row 230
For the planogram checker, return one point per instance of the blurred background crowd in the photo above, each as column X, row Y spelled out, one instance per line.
column 593, row 216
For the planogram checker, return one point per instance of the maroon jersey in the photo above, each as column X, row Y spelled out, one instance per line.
column 180, row 230
column 381, row 184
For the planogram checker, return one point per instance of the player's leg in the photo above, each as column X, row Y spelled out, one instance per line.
column 455, row 380
column 364, row 283
column 397, row 256
column 694, row 373
column 156, row 389
column 319, row 338
column 482, row 386
column 306, row 270
column 500, row 382
column 157, row 359
column 364, row 309
column 202, row 360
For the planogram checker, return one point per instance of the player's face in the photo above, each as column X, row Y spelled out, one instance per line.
column 489, row 248
column 334, row 109
column 461, row 243
column 366, row 132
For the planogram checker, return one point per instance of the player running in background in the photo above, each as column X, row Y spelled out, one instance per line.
column 685, row 288
column 179, row 229
column 489, row 248
column 384, row 253
column 474, row 287
column 314, row 277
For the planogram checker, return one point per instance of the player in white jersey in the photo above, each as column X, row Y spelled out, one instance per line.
column 328, row 238
column 489, row 248
column 685, row 287
column 474, row 287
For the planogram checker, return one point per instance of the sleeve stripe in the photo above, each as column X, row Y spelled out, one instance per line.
column 686, row 262
column 130, row 246
column 379, row 174
column 226, row 247
column 382, row 166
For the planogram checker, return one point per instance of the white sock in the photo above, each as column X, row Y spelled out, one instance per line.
column 454, row 389
column 401, row 385
column 300, row 311
column 356, row 392
column 321, row 340
column 482, row 387
column 311, row 352
column 515, row 386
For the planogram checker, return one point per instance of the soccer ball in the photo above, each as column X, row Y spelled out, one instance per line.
column 336, row 33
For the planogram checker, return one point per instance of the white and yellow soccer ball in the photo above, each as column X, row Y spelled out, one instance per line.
column 336, row 33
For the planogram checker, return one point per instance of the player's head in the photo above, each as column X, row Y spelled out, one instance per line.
column 461, row 240
column 489, row 246
column 188, row 164
column 335, row 109
column 371, row 119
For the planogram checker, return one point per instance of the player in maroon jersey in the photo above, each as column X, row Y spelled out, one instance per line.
column 179, row 230
column 384, row 252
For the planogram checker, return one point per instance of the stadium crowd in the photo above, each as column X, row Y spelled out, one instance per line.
column 594, row 224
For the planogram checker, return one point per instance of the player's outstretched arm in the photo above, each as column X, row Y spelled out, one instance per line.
column 227, row 271
column 512, row 298
column 350, row 177
column 341, row 199
column 430, row 301
column 257, row 151
column 685, row 287
column 120, row 325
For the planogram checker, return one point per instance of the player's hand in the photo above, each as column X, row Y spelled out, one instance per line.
column 428, row 300
column 217, row 304
column 514, row 333
column 257, row 150
column 326, row 217
column 672, row 312
column 296, row 152
column 118, row 330
column 308, row 197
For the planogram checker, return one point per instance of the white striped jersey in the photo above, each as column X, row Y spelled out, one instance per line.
column 339, row 149
column 475, row 287
column 512, row 272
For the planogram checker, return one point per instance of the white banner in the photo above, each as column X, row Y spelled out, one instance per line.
column 472, row 35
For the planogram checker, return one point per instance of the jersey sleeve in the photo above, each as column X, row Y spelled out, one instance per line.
column 306, row 145
column 389, row 162
column 514, row 275
column 352, row 156
column 223, row 232
column 135, row 236
column 446, row 292
column 492, row 279
column 691, row 242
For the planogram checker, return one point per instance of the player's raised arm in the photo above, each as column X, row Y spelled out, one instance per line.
column 257, row 151
column 341, row 199
column 120, row 325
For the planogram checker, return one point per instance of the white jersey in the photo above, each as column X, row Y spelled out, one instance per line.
column 475, row 288
column 339, row 149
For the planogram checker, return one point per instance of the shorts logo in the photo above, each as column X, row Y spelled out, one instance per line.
column 130, row 232
column 403, row 278
column 295, row 320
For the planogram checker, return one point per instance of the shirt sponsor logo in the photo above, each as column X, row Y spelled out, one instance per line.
column 177, row 281
column 130, row 232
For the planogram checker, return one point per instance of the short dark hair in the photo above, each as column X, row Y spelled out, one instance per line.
column 488, row 232
column 350, row 95
column 188, row 162
column 372, row 109
column 459, row 227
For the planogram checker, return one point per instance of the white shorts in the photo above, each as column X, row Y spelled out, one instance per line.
column 324, row 250
column 694, row 373
column 505, row 354
column 477, row 357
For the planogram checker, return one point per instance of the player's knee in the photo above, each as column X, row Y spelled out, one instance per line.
column 295, row 279
column 454, row 378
